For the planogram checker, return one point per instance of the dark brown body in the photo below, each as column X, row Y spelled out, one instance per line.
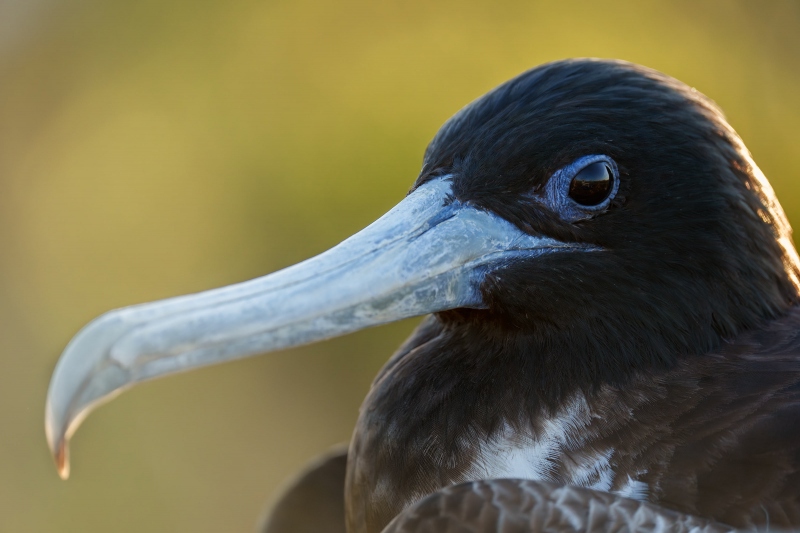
column 321, row 486
column 718, row 436
column 521, row 506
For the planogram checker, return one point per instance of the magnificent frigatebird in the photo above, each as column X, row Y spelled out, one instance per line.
column 613, row 293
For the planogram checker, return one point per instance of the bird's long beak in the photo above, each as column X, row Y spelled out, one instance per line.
column 427, row 254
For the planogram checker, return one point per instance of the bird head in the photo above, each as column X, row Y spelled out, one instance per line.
column 674, row 238
column 596, row 201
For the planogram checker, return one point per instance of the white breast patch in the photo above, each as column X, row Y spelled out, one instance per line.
column 557, row 454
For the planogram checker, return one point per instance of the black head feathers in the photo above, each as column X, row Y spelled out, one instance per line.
column 695, row 245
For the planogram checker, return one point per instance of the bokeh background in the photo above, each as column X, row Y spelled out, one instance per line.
column 160, row 147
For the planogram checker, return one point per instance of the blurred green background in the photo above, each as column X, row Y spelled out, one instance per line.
column 154, row 148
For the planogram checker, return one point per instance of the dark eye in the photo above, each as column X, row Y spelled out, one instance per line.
column 592, row 184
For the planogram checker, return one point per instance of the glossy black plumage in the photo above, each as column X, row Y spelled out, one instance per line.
column 679, row 335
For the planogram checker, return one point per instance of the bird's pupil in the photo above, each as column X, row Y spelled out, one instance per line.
column 592, row 184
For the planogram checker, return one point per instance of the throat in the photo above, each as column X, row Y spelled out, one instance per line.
column 453, row 406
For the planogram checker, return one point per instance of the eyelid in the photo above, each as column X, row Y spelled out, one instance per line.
column 556, row 191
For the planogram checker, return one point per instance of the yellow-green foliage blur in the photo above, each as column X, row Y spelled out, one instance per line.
column 159, row 147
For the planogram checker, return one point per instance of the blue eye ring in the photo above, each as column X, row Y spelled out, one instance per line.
column 558, row 187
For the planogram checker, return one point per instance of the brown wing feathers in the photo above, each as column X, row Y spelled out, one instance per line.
column 524, row 506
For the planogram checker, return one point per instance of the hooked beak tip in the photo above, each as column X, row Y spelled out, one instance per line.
column 57, row 440
column 61, row 456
